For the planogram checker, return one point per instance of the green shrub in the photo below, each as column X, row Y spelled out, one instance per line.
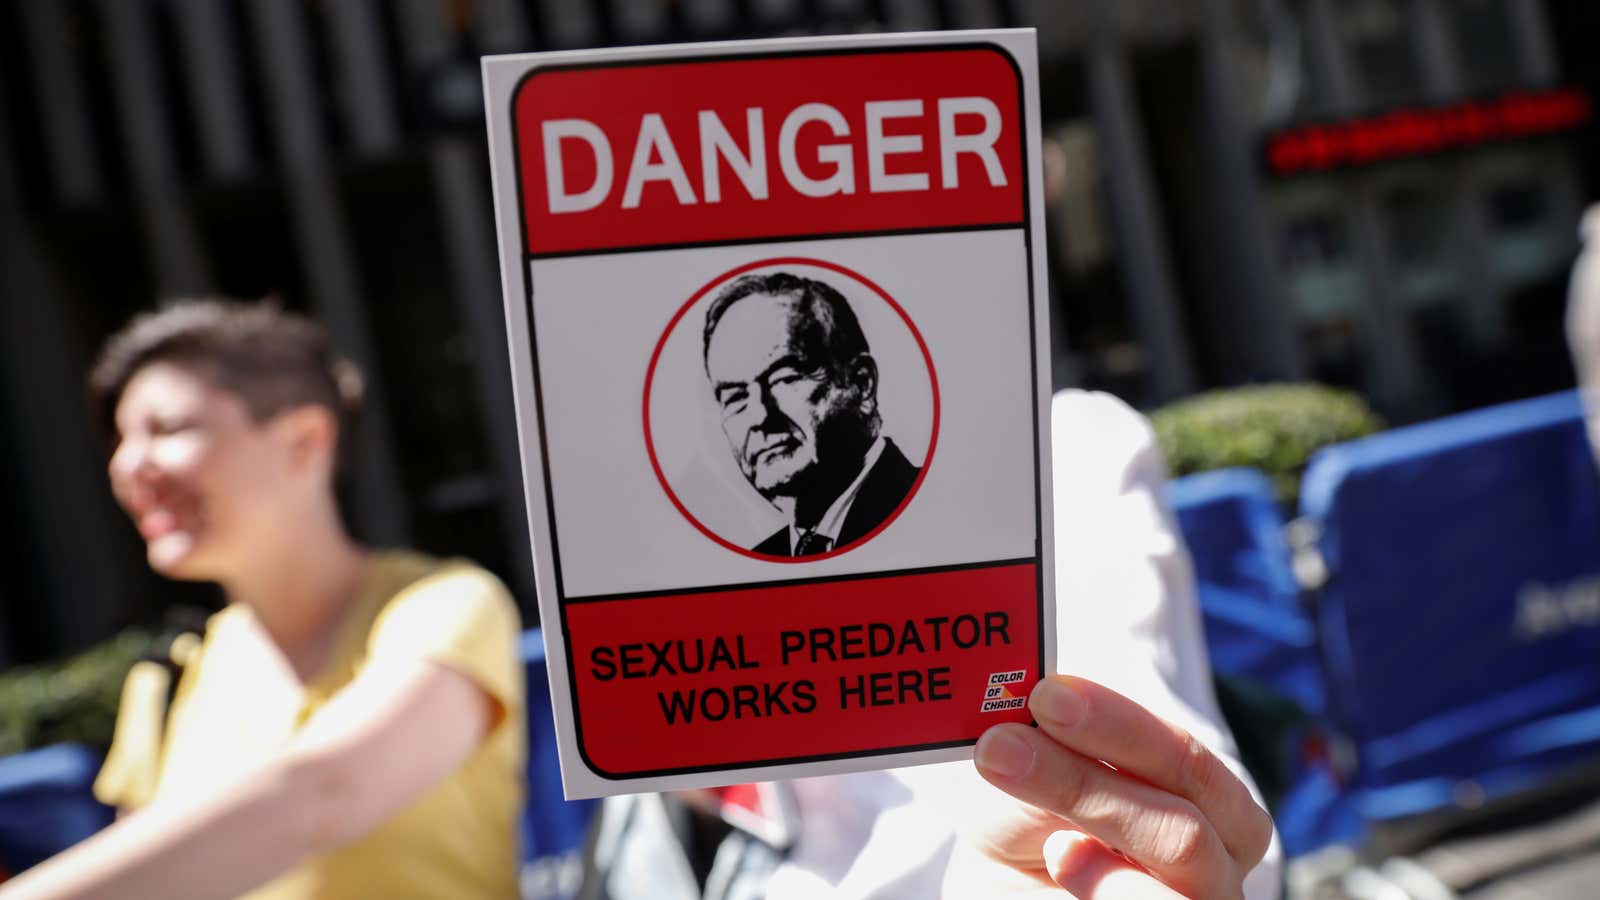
column 1274, row 428
column 72, row 700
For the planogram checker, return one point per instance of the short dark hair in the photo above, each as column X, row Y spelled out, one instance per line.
column 273, row 359
column 832, row 325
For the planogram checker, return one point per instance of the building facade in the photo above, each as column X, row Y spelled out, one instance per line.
column 331, row 152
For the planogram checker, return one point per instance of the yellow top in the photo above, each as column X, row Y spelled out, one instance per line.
column 229, row 713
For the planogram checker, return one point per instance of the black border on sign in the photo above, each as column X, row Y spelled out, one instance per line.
column 538, row 391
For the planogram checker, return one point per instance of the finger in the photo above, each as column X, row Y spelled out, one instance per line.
column 1101, row 723
column 1090, row 871
column 1159, row 830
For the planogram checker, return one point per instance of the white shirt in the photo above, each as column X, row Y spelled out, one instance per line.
column 1128, row 617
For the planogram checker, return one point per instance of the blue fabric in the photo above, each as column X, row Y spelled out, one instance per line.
column 46, row 804
column 1258, row 632
column 1461, row 622
column 1250, row 603
column 551, row 826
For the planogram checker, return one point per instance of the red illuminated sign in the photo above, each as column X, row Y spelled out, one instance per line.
column 1407, row 133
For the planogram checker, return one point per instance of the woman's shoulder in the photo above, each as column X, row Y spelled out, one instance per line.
column 438, row 597
column 397, row 573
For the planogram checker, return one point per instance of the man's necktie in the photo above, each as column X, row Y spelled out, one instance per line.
column 811, row 543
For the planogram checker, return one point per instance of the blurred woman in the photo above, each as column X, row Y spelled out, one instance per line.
column 351, row 724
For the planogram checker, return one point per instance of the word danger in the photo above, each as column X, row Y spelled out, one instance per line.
column 966, row 125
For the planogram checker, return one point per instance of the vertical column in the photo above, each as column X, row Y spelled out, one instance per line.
column 852, row 11
column 459, row 190
column 1538, row 65
column 1436, row 50
column 1063, row 24
column 1536, row 47
column 1443, row 81
column 1146, row 259
column 1265, row 325
column 1396, row 381
column 713, row 16
column 570, row 23
column 366, row 95
column 502, row 26
column 1329, row 62
column 638, row 22
column 773, row 12
column 975, row 13
column 169, row 228
column 212, row 61
column 71, row 518
column 909, row 15
column 321, row 235
column 63, row 106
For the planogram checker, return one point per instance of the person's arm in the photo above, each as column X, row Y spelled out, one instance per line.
column 397, row 730
column 1134, row 759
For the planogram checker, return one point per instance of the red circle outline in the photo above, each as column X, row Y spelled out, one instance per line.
column 649, row 380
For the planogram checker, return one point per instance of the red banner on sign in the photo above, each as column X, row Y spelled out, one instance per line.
column 792, row 672
column 732, row 149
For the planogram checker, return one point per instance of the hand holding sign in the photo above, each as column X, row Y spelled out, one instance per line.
column 1115, row 803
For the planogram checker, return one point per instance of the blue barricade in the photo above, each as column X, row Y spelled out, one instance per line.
column 46, row 805
column 1261, row 639
column 1461, row 622
column 553, row 829
column 1255, row 625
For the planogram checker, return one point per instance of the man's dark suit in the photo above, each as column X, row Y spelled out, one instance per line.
column 881, row 493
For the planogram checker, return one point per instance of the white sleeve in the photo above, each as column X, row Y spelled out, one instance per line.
column 1583, row 323
column 1127, row 613
column 1127, row 617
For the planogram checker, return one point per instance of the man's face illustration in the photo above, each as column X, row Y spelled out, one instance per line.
column 789, row 413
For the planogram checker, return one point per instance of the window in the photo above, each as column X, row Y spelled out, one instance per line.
column 1483, row 33
column 1378, row 46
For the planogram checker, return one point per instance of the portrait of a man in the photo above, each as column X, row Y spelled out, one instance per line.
column 797, row 390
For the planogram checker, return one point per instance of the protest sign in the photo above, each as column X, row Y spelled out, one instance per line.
column 778, row 336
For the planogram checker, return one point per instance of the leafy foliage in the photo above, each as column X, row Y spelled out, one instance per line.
column 72, row 700
column 1274, row 428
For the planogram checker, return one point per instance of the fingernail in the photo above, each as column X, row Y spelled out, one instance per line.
column 1005, row 754
column 1060, row 843
column 1057, row 702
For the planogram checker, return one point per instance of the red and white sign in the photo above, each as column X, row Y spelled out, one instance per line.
column 778, row 334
